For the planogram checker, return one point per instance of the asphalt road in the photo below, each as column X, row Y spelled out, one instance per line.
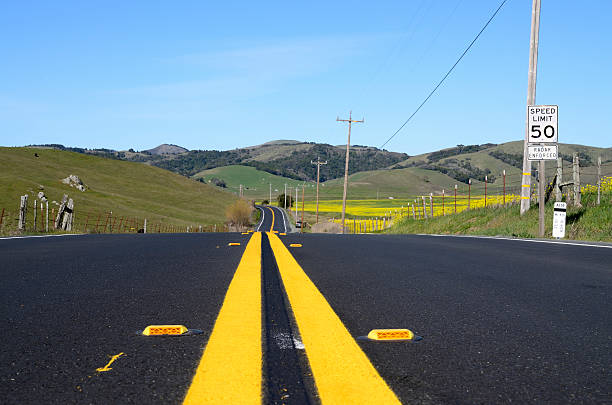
column 502, row 321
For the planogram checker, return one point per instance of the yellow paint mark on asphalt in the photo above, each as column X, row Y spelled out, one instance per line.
column 153, row 330
column 245, row 233
column 112, row 360
column 233, row 244
column 295, row 245
column 342, row 372
column 272, row 227
column 230, row 371
column 282, row 234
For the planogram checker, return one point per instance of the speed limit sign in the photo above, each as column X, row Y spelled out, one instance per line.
column 542, row 123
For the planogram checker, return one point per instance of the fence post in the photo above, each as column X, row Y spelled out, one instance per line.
column 443, row 212
column 558, row 196
column 598, row 178
column 469, row 194
column 23, row 209
column 504, row 172
column 576, row 172
column 35, row 211
column 47, row 216
column 485, row 191
column 60, row 212
column 431, row 205
column 145, row 226
column 1, row 217
column 424, row 207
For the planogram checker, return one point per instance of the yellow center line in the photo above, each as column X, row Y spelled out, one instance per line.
column 272, row 227
column 342, row 372
column 230, row 371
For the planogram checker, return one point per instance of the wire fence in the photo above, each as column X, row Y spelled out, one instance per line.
column 506, row 191
column 38, row 219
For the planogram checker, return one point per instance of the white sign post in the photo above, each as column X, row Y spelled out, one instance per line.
column 559, row 220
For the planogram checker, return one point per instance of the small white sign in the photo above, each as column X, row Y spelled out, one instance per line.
column 559, row 220
column 542, row 123
column 542, row 152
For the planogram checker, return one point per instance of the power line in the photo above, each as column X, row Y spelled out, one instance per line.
column 447, row 73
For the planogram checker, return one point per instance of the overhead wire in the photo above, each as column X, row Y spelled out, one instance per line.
column 447, row 73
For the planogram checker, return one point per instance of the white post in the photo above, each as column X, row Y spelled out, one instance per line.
column 145, row 226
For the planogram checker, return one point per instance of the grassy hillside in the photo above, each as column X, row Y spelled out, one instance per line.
column 256, row 182
column 589, row 222
column 398, row 183
column 476, row 161
column 125, row 188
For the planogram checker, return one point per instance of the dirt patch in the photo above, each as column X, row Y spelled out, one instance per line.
column 326, row 227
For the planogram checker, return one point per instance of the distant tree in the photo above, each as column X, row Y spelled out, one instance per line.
column 218, row 182
column 281, row 201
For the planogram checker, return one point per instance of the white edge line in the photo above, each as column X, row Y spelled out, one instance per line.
column 554, row 242
column 263, row 216
column 284, row 219
column 41, row 236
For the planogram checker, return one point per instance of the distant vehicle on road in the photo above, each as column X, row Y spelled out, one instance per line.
column 298, row 224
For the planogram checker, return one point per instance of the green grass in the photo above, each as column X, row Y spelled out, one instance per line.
column 256, row 182
column 125, row 188
column 397, row 183
column 590, row 222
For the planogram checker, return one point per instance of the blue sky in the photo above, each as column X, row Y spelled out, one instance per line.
column 222, row 75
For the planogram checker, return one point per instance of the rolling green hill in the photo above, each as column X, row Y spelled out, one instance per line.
column 256, row 182
column 127, row 189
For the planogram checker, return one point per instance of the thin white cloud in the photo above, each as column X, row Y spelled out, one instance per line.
column 246, row 72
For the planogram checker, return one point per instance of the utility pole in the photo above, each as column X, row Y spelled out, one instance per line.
column 296, row 203
column 285, row 196
column 318, row 163
column 270, row 200
column 346, row 165
column 531, row 97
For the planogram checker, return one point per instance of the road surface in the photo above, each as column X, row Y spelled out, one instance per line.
column 502, row 321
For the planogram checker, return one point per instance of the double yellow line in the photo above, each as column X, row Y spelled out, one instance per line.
column 230, row 371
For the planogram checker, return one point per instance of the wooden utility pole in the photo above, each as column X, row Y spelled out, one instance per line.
column 318, row 163
column 346, row 165
column 531, row 97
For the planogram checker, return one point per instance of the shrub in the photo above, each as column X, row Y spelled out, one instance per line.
column 239, row 213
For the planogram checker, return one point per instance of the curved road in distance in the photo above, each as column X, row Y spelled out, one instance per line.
column 273, row 219
column 502, row 321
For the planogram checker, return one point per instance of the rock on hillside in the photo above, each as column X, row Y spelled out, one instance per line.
column 167, row 149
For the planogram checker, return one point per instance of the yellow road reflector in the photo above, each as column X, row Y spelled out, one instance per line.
column 233, row 244
column 391, row 334
column 342, row 372
column 274, row 231
column 245, row 233
column 230, row 370
column 295, row 245
column 153, row 330
column 283, row 234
